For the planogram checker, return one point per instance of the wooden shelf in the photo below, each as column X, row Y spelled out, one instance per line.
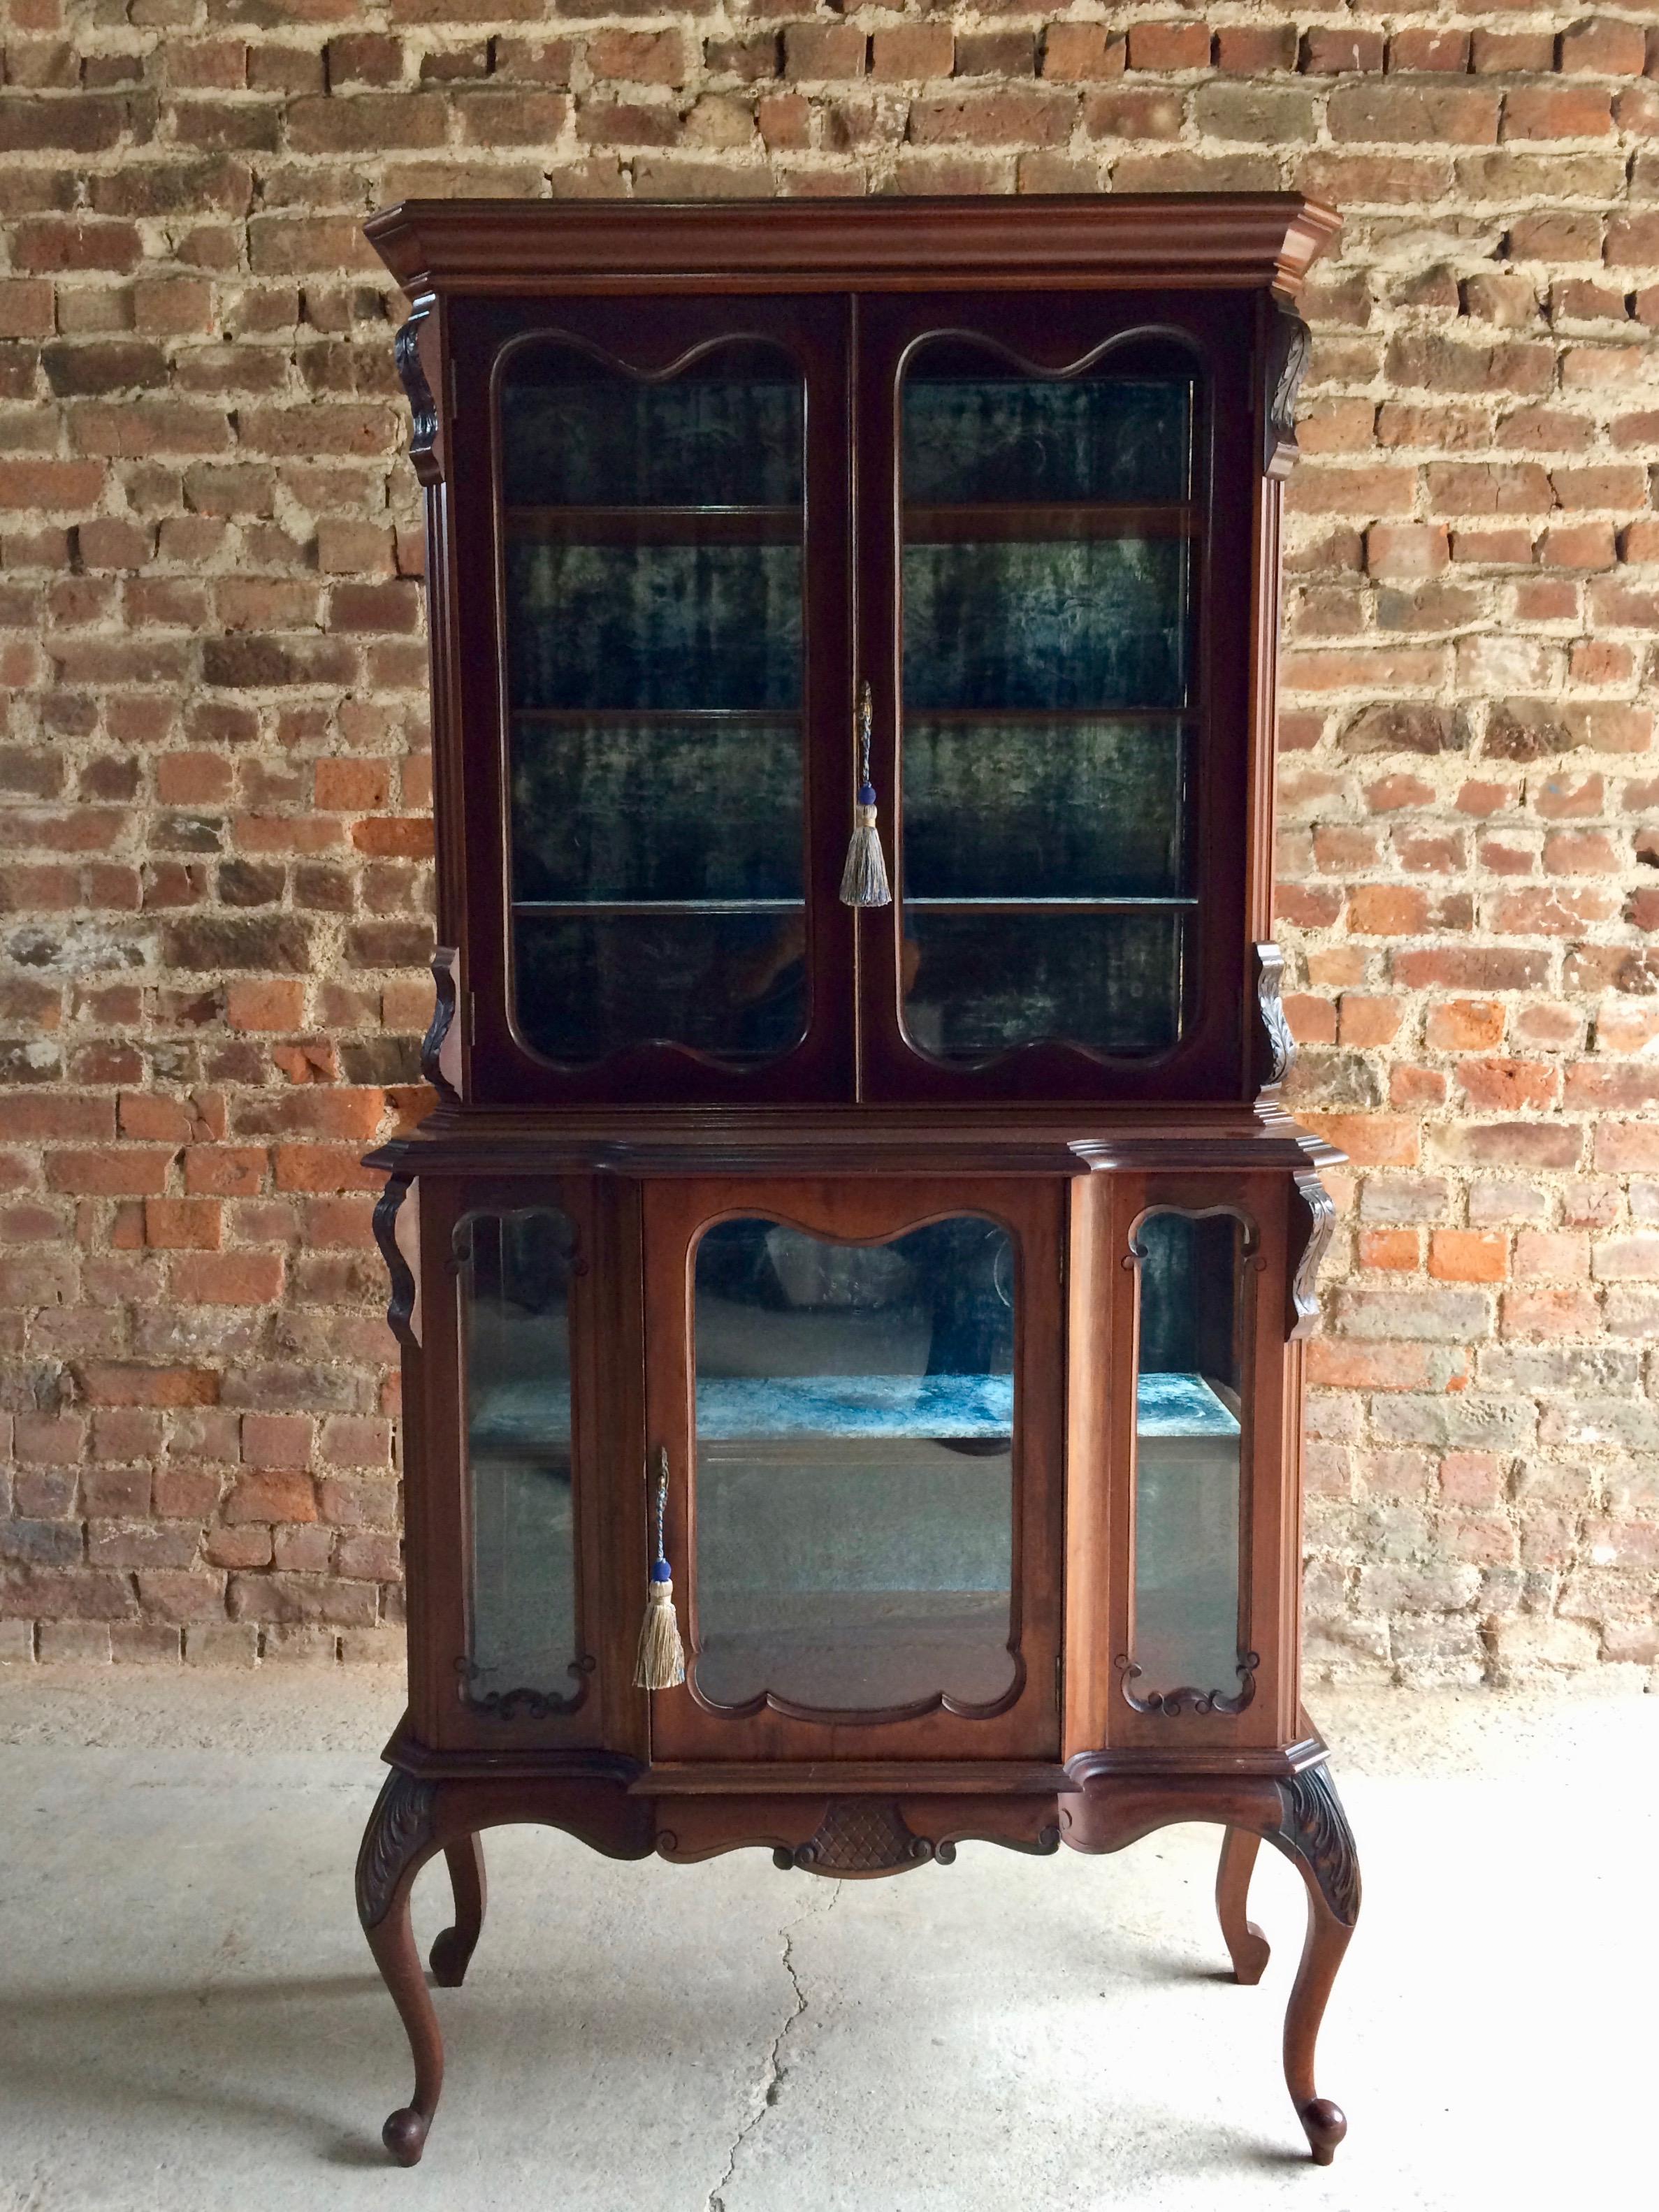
column 1048, row 905
column 1050, row 715
column 785, row 717
column 578, row 910
column 1000, row 523
column 657, row 525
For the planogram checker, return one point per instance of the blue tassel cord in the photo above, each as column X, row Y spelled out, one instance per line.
column 660, row 1664
column 864, row 875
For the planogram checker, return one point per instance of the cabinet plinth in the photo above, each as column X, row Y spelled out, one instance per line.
column 909, row 1292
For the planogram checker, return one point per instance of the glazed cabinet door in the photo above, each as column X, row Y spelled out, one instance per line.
column 525, row 1396
column 1055, row 555
column 1201, row 1630
column 652, row 501
column 858, row 1389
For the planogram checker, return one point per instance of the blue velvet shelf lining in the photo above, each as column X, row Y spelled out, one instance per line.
column 731, row 1408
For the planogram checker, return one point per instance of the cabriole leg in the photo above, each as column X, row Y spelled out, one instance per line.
column 1314, row 1832
column 1246, row 1944
column 396, row 1843
column 453, row 1951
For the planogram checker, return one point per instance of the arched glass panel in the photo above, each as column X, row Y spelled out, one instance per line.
column 854, row 1467
column 514, row 1269
column 1048, row 697
column 1186, row 1648
column 653, row 575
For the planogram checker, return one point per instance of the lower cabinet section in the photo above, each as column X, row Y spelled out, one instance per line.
column 973, row 1467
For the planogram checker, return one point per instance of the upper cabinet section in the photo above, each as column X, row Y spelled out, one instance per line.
column 697, row 476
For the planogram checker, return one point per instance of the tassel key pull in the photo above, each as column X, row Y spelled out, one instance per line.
column 660, row 1664
column 864, row 876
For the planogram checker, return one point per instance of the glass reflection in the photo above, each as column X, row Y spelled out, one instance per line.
column 514, row 1271
column 1188, row 1464
column 653, row 634
column 1048, row 632
column 854, row 1466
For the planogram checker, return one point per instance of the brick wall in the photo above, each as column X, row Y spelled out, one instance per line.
column 213, row 909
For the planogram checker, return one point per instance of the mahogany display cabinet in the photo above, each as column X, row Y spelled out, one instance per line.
column 917, row 1281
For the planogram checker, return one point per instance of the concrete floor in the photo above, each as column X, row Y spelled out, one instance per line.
column 189, row 2018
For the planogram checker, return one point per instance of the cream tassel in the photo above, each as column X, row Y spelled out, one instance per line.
column 660, row 1664
column 864, row 876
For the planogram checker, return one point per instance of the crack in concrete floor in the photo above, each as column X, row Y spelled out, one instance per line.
column 772, row 2070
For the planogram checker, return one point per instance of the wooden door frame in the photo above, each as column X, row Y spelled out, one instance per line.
column 1268, row 1472
column 867, row 1209
column 646, row 335
column 440, row 1506
column 1053, row 331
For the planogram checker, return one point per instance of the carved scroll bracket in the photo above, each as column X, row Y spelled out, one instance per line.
column 1274, row 1048
column 396, row 1234
column 1289, row 342
column 1187, row 1699
column 441, row 1048
column 1312, row 1226
column 425, row 446
column 522, row 1704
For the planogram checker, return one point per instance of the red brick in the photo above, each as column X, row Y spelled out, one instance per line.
column 225, row 1171
column 351, row 787
column 1624, row 1145
column 812, row 51
column 1465, row 1025
column 1557, row 112
column 1467, row 1255
column 913, row 52
column 1510, row 1144
column 1168, row 46
column 1395, row 1251
column 263, row 1004
column 1074, row 53
column 1550, row 1314
column 1369, row 1022
column 1341, row 51
column 1429, row 50
column 322, row 1168
column 1509, row 1085
column 407, row 837
column 271, row 1495
column 183, row 1224
column 113, row 1382
column 1253, row 49
column 1430, row 113
column 1343, row 1364
column 1368, row 1139
column 228, row 1278
column 276, row 1440
column 125, row 1173
column 1603, row 45
column 246, row 1544
column 1557, row 911
column 1008, row 116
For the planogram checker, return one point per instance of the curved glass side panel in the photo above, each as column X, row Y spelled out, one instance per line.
column 1187, row 1653
column 524, row 1651
column 652, row 587
column 1050, row 524
column 854, row 1468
